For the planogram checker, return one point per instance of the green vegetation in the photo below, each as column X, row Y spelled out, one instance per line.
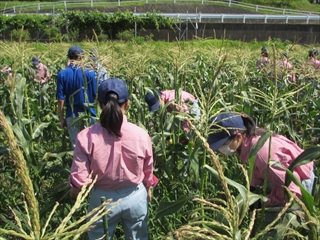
column 205, row 198
column 77, row 25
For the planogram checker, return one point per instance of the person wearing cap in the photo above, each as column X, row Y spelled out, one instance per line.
column 120, row 154
column 39, row 71
column 312, row 58
column 76, row 88
column 234, row 133
column 167, row 96
column 264, row 58
column 100, row 70
column 285, row 68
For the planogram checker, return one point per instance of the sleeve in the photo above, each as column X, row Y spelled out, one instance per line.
column 60, row 94
column 149, row 180
column 80, row 168
column 276, row 179
column 47, row 73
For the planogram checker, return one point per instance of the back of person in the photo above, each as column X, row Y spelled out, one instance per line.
column 71, row 83
column 123, row 158
column 170, row 95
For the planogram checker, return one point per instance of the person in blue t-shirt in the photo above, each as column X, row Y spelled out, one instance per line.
column 76, row 88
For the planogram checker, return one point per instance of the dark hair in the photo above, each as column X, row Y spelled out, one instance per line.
column 111, row 117
column 251, row 127
column 75, row 55
column 311, row 53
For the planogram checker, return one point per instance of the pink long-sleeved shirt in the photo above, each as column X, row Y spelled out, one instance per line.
column 285, row 65
column 315, row 62
column 170, row 95
column 118, row 162
column 41, row 73
column 282, row 150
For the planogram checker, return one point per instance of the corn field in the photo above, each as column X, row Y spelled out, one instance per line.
column 200, row 195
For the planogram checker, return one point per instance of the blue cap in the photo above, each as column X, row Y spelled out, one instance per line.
column 315, row 51
column 264, row 49
column 153, row 102
column 115, row 85
column 74, row 52
column 35, row 60
column 224, row 126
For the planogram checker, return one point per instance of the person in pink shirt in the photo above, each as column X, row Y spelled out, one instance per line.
column 264, row 58
column 285, row 68
column 39, row 71
column 234, row 133
column 166, row 96
column 312, row 58
column 120, row 155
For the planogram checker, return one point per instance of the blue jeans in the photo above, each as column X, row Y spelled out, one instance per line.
column 132, row 210
column 195, row 110
column 74, row 130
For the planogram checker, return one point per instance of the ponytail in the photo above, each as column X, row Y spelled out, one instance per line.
column 310, row 53
column 111, row 117
column 251, row 127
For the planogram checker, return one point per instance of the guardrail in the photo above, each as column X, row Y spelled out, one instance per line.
column 53, row 7
column 242, row 17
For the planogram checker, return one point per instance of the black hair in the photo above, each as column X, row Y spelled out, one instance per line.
column 111, row 117
column 311, row 53
column 251, row 127
column 75, row 55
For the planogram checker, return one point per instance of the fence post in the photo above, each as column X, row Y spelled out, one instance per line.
column 146, row 1
column 283, row 11
column 202, row 2
column 135, row 23
column 38, row 6
column 257, row 8
column 53, row 10
column 229, row 3
column 65, row 6
column 119, row 3
column 91, row 2
column 14, row 9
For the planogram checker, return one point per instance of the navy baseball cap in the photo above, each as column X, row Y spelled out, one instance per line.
column 224, row 126
column 315, row 51
column 74, row 52
column 35, row 60
column 152, row 101
column 115, row 85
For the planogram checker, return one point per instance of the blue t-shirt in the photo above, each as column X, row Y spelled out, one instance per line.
column 71, row 88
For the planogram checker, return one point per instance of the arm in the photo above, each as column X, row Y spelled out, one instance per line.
column 80, row 168
column 60, row 97
column 148, row 169
column 63, row 123
column 47, row 75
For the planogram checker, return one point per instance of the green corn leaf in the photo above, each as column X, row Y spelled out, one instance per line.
column 254, row 151
column 37, row 131
column 307, row 197
column 244, row 193
column 305, row 157
column 168, row 208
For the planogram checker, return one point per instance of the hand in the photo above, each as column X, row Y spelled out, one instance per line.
column 63, row 123
column 74, row 192
column 149, row 195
